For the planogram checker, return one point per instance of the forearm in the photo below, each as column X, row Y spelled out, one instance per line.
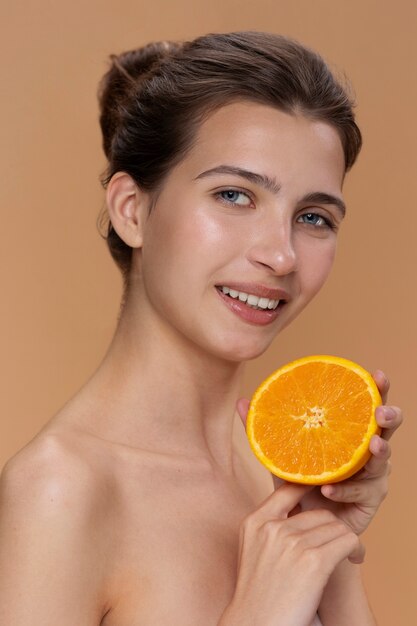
column 344, row 600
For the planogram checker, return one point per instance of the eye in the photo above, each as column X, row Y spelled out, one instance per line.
column 317, row 220
column 234, row 197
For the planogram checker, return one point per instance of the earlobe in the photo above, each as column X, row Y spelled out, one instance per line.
column 126, row 205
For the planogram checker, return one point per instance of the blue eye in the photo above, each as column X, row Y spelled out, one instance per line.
column 231, row 196
column 316, row 220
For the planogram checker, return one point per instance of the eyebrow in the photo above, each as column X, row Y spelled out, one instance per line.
column 259, row 179
column 271, row 184
column 319, row 197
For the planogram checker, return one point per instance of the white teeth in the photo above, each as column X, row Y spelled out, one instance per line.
column 263, row 303
column 253, row 301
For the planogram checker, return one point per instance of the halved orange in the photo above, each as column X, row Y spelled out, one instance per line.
column 311, row 421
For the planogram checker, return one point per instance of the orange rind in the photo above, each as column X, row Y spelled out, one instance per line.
column 312, row 420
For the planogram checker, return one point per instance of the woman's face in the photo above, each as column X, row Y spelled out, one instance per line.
column 253, row 208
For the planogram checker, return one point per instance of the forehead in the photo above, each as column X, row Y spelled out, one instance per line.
column 256, row 136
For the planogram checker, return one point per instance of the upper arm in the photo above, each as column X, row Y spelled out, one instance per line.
column 52, row 562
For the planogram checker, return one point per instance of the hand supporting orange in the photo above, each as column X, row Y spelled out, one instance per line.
column 356, row 500
column 284, row 558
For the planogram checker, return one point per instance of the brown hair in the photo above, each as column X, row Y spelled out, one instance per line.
column 152, row 100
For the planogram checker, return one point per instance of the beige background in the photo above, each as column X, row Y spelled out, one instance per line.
column 60, row 290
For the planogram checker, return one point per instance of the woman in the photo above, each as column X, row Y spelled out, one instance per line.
column 140, row 502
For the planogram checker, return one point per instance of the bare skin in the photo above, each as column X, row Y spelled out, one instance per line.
column 142, row 492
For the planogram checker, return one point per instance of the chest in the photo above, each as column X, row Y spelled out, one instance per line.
column 177, row 554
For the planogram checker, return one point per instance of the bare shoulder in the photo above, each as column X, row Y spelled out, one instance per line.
column 48, row 469
column 50, row 510
column 58, row 478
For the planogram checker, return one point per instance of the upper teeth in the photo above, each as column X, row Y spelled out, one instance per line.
column 262, row 303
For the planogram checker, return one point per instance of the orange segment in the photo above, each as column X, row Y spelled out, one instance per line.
column 311, row 421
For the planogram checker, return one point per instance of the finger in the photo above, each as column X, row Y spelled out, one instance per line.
column 279, row 504
column 242, row 407
column 378, row 463
column 382, row 383
column 369, row 493
column 346, row 546
column 381, row 452
column 316, row 535
column 389, row 418
column 315, row 518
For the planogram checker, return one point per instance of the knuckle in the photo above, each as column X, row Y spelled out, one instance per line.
column 313, row 560
column 270, row 529
column 293, row 542
column 355, row 492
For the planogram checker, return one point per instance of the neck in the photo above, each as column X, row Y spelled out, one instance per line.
column 160, row 391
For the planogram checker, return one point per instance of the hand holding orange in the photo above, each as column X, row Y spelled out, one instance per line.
column 311, row 421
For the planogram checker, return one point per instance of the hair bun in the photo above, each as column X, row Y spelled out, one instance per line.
column 126, row 73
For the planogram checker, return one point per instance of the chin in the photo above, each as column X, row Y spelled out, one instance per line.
column 243, row 350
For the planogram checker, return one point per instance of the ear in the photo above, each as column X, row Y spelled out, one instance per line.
column 127, row 206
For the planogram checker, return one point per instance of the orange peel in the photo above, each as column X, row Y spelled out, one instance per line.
column 311, row 421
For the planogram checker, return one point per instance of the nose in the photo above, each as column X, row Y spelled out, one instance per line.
column 273, row 248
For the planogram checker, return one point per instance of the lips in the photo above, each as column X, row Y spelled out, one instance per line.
column 250, row 299
column 256, row 289
column 256, row 316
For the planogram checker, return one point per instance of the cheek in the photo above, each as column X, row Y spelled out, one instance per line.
column 195, row 245
column 180, row 250
column 316, row 263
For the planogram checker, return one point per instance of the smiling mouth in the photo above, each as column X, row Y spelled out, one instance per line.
column 252, row 301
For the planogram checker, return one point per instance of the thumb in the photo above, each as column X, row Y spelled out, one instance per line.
column 242, row 407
